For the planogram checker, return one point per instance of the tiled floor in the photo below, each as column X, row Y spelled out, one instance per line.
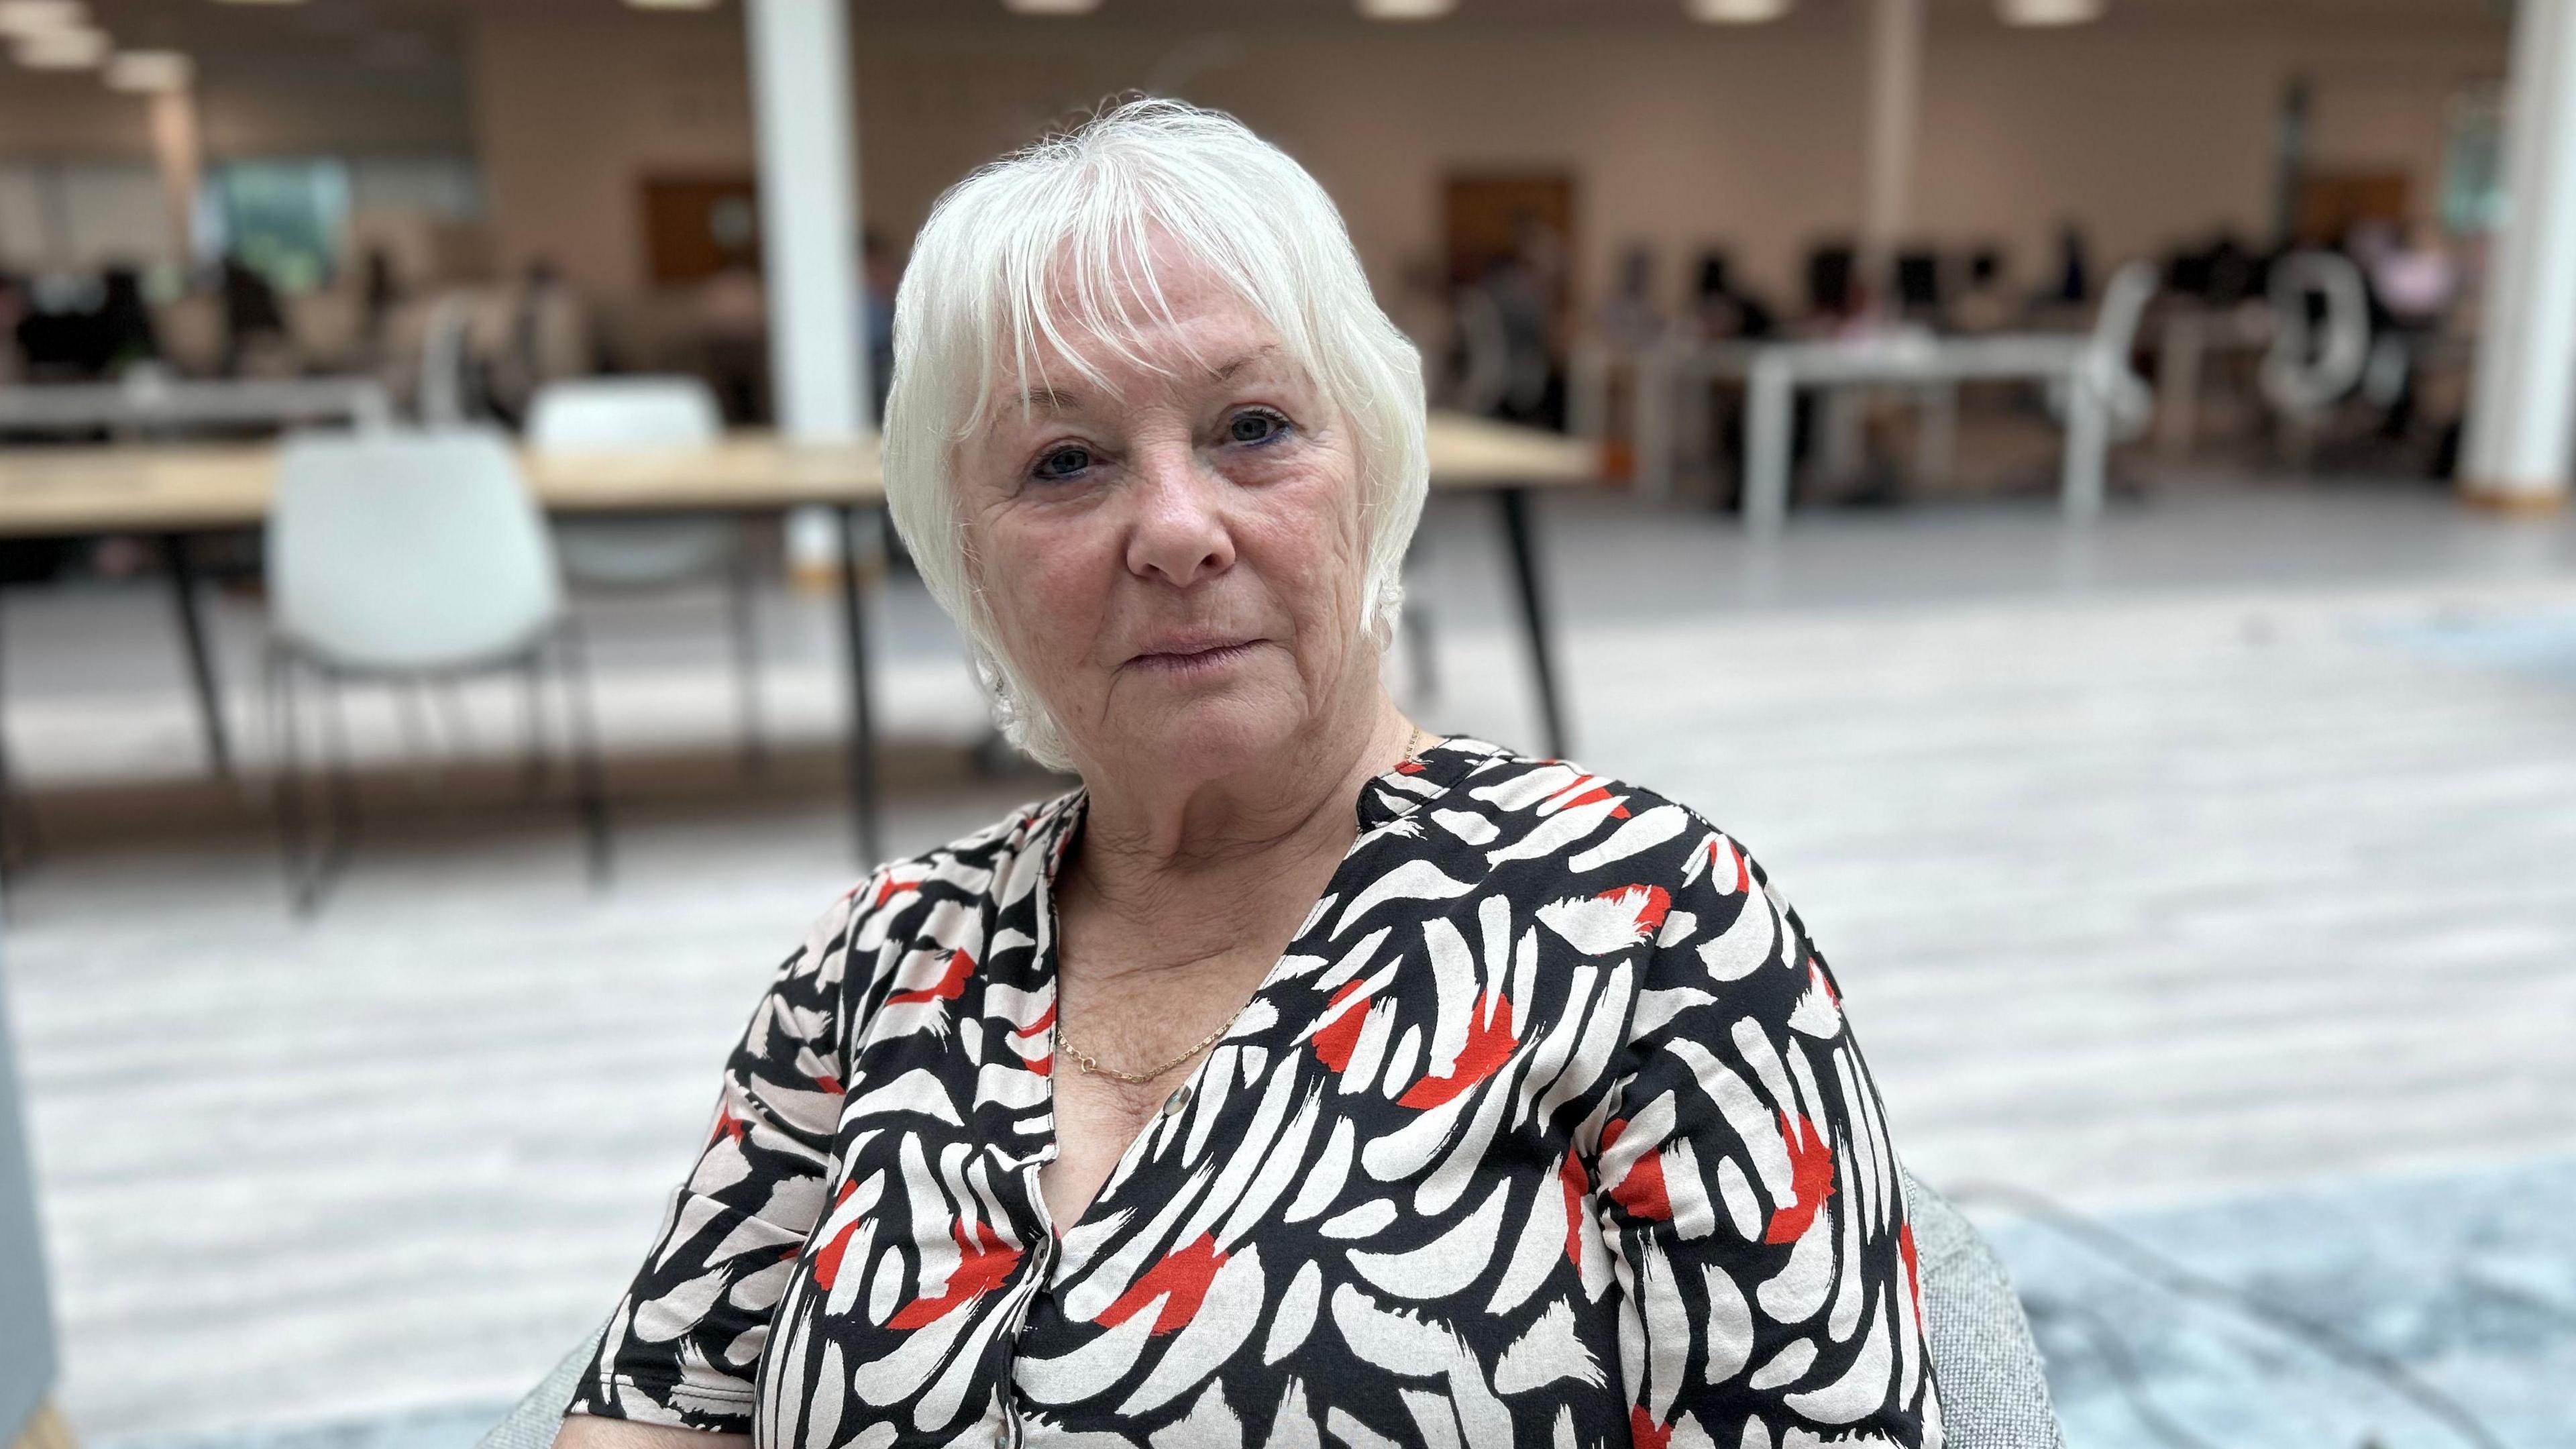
column 2215, row 854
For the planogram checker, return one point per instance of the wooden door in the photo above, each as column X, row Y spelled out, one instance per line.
column 1484, row 215
column 697, row 226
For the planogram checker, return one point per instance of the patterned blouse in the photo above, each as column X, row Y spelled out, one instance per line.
column 1546, row 1130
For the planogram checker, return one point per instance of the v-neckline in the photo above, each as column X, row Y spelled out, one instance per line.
column 1372, row 814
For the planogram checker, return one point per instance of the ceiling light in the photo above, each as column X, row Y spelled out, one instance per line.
column 149, row 70
column 41, row 17
column 62, row 49
column 1050, row 7
column 2049, row 12
column 1737, row 12
column 1406, row 9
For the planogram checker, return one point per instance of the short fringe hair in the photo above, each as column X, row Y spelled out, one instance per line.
column 1057, row 239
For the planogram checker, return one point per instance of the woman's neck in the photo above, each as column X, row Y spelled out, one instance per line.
column 1178, row 853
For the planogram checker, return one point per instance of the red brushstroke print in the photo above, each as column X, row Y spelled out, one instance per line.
column 985, row 1263
column 1811, row 1177
column 1645, row 1433
column 827, row 1263
column 1642, row 1191
column 1652, row 903
column 1489, row 1045
column 1184, row 1275
column 728, row 1125
column 1039, row 1025
column 1913, row 1271
column 1577, row 1182
column 1333, row 1043
column 947, row 988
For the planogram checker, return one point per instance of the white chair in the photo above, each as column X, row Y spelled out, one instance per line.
column 611, row 414
column 411, row 557
column 2314, row 364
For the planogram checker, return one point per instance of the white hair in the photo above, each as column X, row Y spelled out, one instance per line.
column 1055, row 239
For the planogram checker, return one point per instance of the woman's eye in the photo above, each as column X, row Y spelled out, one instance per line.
column 1254, row 427
column 1062, row 463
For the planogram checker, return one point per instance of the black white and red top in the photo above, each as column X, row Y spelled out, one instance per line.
column 1545, row 1130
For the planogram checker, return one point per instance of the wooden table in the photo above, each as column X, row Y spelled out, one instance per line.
column 173, row 492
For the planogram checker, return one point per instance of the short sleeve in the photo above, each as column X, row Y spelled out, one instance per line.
column 1748, row 1192
column 685, row 1343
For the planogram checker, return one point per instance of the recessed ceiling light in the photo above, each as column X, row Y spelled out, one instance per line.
column 1406, row 9
column 79, row 49
column 1050, row 7
column 149, row 70
column 41, row 17
column 2049, row 12
column 1737, row 12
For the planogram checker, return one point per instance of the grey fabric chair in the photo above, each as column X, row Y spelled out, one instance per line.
column 1992, row 1393
column 26, row 1323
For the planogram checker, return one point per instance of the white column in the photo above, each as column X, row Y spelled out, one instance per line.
column 180, row 157
column 809, row 236
column 2522, row 407
column 809, row 214
column 1895, row 79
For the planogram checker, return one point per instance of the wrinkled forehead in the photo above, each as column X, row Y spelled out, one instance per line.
column 1153, row 314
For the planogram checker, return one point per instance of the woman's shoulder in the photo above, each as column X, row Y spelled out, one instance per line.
column 907, row 897
column 1515, row 807
column 1603, row 860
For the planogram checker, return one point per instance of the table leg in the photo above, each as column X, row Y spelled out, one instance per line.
column 2088, row 443
column 201, row 664
column 1516, row 531
column 2178, row 388
column 863, row 735
column 1769, row 392
column 1936, row 442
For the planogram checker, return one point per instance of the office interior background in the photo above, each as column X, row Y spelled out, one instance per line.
column 2078, row 484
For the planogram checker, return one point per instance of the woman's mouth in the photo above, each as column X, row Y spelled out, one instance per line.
column 1196, row 659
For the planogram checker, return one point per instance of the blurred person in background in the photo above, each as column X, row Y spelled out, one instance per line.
column 1303, row 1065
column 1984, row 303
column 1520, row 293
column 14, row 309
column 2413, row 283
column 121, row 331
column 1628, row 318
column 880, row 272
column 2071, row 286
column 254, row 323
column 548, row 339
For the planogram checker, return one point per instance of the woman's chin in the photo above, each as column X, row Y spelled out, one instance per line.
column 1211, row 734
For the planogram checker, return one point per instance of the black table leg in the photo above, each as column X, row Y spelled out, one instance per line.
column 201, row 664
column 1516, row 531
column 863, row 734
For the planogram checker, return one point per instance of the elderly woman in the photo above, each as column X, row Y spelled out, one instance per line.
column 1304, row 1077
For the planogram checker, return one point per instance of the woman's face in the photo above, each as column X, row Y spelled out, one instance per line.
column 1174, row 562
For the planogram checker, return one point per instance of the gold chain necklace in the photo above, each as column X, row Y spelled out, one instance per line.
column 1091, row 1065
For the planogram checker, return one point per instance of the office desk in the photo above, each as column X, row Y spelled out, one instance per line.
column 171, row 492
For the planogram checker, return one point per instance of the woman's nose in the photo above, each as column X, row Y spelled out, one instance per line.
column 1179, row 534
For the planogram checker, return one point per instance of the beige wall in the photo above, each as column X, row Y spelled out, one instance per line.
column 2147, row 131
column 573, row 112
column 247, row 108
